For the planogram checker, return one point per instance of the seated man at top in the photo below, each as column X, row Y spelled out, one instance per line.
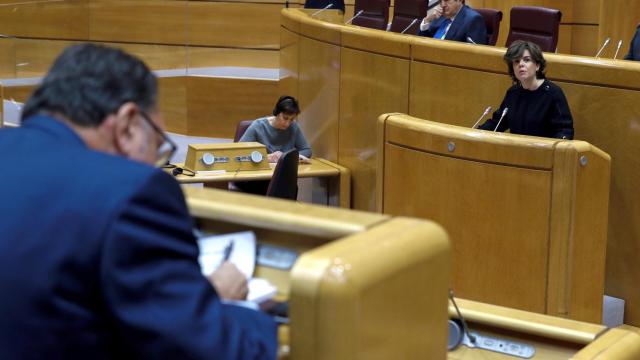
column 98, row 255
column 453, row 20
column 634, row 47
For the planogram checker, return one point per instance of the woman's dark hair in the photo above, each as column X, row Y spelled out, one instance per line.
column 88, row 82
column 515, row 52
column 286, row 104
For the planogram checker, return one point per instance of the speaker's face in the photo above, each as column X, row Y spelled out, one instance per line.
column 525, row 68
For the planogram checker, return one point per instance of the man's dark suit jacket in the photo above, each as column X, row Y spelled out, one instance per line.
column 97, row 260
column 468, row 23
column 634, row 47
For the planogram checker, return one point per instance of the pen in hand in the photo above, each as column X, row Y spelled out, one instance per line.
column 227, row 251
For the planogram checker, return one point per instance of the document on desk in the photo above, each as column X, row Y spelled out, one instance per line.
column 240, row 249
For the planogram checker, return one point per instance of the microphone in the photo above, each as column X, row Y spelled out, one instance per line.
column 604, row 45
column 321, row 10
column 355, row 16
column 465, row 328
column 469, row 39
column 617, row 49
column 410, row 25
column 486, row 111
column 504, row 112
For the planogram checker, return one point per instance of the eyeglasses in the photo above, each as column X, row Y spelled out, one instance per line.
column 167, row 148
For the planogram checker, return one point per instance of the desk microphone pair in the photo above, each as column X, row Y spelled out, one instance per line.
column 487, row 111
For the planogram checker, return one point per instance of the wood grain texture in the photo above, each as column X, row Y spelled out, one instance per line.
column 513, row 202
column 319, row 95
column 388, row 92
column 618, row 20
column 67, row 19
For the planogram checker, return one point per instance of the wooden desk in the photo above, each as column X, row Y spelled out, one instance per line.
column 337, row 179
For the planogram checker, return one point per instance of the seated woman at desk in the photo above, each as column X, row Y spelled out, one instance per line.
column 534, row 105
column 280, row 132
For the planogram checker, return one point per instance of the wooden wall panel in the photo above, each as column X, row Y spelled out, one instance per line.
column 448, row 196
column 584, row 40
column 319, row 96
column 234, row 24
column 386, row 92
column 148, row 21
column 217, row 105
column 468, row 93
column 172, row 101
column 618, row 20
column 616, row 133
column 199, row 57
column 289, row 53
column 34, row 57
column 7, row 58
column 67, row 19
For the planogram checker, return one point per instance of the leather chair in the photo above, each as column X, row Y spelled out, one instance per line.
column 241, row 129
column 405, row 12
column 375, row 14
column 284, row 182
column 536, row 24
column 492, row 19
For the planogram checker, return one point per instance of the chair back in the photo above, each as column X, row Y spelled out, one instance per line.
column 536, row 24
column 405, row 12
column 375, row 14
column 241, row 129
column 284, row 182
column 492, row 19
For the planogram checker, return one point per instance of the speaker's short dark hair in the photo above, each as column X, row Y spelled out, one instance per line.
column 286, row 104
column 515, row 52
column 88, row 82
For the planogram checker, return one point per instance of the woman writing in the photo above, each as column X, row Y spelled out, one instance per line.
column 279, row 133
column 534, row 105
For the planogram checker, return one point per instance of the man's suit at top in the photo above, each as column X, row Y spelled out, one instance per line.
column 98, row 260
column 634, row 47
column 467, row 23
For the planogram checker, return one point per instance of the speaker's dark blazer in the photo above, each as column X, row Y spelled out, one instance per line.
column 468, row 23
column 97, row 260
column 634, row 47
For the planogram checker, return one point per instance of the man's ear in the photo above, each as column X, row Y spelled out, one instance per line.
column 126, row 127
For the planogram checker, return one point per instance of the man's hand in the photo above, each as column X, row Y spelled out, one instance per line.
column 433, row 14
column 229, row 282
column 274, row 156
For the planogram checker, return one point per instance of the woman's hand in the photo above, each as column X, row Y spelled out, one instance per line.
column 274, row 156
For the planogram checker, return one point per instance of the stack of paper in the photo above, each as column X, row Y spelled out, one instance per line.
column 243, row 255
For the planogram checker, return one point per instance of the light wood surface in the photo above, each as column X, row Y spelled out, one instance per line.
column 602, row 95
column 319, row 96
column 339, row 187
column 358, row 289
column 618, row 20
column 216, row 105
column 513, row 202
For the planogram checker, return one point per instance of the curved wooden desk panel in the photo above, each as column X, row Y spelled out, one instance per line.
column 526, row 215
column 453, row 83
column 369, row 286
column 366, row 286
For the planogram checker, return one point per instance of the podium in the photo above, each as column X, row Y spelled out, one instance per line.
column 527, row 216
